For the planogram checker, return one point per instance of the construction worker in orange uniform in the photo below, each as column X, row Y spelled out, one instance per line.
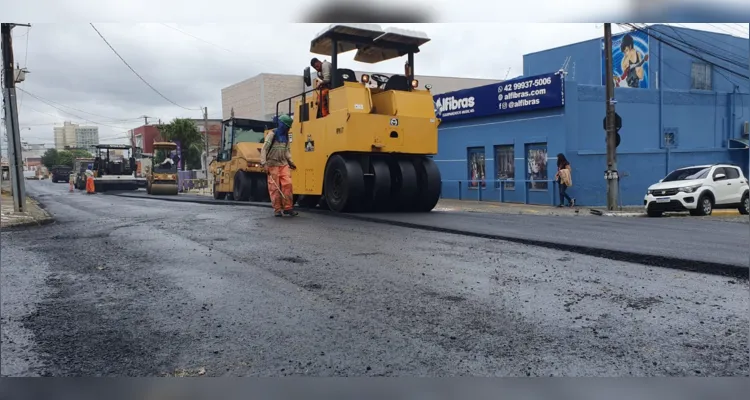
column 276, row 159
column 90, row 187
column 323, row 82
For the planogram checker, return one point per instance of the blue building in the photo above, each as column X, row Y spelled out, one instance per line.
column 685, row 103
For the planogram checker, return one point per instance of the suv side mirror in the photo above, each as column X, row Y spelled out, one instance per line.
column 719, row 177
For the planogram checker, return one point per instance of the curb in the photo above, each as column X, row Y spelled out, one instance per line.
column 46, row 221
column 49, row 219
column 704, row 267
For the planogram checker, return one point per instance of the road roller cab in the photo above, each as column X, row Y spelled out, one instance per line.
column 161, row 179
column 372, row 150
column 236, row 171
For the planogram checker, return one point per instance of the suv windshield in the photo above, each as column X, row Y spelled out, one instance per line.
column 687, row 174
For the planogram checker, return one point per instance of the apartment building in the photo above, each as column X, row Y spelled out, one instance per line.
column 74, row 135
column 257, row 97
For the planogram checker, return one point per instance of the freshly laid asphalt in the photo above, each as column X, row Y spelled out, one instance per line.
column 135, row 287
column 682, row 243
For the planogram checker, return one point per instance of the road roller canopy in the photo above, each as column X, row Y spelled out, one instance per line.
column 373, row 44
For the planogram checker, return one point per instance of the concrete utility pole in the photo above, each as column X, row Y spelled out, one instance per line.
column 611, row 173
column 205, row 141
column 11, row 119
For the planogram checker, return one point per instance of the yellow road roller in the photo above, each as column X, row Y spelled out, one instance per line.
column 236, row 171
column 161, row 179
column 372, row 150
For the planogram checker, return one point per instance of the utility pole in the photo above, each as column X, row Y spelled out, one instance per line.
column 205, row 139
column 11, row 119
column 611, row 172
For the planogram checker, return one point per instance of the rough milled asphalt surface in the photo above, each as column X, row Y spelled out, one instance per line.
column 132, row 287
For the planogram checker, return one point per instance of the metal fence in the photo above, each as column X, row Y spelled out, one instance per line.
column 194, row 186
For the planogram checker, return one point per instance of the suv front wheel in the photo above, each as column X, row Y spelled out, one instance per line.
column 705, row 206
column 745, row 204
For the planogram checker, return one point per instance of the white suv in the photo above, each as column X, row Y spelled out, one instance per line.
column 699, row 189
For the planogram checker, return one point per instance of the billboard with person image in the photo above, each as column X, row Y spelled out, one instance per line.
column 630, row 54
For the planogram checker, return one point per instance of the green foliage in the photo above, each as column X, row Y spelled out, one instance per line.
column 185, row 132
column 50, row 158
column 53, row 157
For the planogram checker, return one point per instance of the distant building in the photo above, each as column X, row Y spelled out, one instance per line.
column 32, row 155
column 77, row 136
column 144, row 136
column 256, row 97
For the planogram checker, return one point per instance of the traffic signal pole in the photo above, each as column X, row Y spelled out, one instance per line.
column 611, row 173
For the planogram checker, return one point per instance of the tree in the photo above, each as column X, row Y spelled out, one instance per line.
column 65, row 157
column 53, row 157
column 49, row 158
column 184, row 131
column 80, row 153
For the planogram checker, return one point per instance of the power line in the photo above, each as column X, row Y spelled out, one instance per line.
column 66, row 112
column 681, row 40
column 660, row 39
column 742, row 49
column 196, row 37
column 729, row 27
column 684, row 41
column 136, row 73
column 87, row 112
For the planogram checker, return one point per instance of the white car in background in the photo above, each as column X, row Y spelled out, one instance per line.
column 699, row 189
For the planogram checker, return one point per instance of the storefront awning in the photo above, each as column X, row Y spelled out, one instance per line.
column 738, row 144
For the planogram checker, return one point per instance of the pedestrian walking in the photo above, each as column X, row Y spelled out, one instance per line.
column 71, row 181
column 276, row 159
column 564, row 179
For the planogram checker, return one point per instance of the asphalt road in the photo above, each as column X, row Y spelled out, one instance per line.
column 697, row 244
column 131, row 287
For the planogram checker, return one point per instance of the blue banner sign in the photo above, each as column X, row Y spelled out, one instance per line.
column 508, row 97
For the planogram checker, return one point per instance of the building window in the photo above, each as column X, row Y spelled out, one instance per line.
column 536, row 163
column 476, row 167
column 505, row 168
column 700, row 75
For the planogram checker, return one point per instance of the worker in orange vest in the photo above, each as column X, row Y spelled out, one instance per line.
column 90, row 188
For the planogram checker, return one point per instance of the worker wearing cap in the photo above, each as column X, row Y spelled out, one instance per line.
column 323, row 83
column 276, row 159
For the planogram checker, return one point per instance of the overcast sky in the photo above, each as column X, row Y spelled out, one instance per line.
column 72, row 68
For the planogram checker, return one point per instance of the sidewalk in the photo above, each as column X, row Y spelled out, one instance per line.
column 33, row 216
column 508, row 208
column 533, row 209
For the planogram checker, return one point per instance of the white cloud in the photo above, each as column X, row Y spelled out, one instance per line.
column 71, row 65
